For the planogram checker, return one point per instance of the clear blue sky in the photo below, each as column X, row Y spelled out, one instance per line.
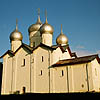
column 80, row 20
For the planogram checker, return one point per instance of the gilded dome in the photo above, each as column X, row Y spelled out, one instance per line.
column 16, row 35
column 62, row 39
column 46, row 28
column 36, row 26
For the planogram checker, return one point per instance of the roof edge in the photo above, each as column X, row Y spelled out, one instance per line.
column 78, row 60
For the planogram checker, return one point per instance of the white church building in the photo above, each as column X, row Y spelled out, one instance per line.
column 42, row 67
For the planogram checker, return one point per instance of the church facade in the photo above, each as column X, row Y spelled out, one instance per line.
column 42, row 67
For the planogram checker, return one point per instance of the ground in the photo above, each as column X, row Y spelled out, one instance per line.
column 55, row 96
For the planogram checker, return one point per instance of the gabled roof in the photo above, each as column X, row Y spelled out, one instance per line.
column 26, row 46
column 7, row 52
column 31, row 49
column 78, row 60
column 13, row 53
column 43, row 45
column 63, row 49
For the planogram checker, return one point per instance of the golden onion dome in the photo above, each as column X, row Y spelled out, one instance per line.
column 16, row 35
column 46, row 28
column 62, row 39
column 35, row 27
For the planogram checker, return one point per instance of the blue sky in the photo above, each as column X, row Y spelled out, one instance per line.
column 80, row 20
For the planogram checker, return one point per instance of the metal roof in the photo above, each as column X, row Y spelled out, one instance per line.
column 78, row 60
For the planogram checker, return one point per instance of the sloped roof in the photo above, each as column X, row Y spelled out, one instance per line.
column 31, row 49
column 7, row 52
column 63, row 49
column 78, row 60
column 13, row 53
column 26, row 46
column 74, row 54
column 43, row 45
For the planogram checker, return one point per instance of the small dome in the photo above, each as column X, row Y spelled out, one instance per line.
column 35, row 27
column 16, row 35
column 62, row 39
column 46, row 28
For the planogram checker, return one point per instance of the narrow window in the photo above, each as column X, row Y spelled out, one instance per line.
column 62, row 73
column 41, row 72
column 42, row 59
column 23, row 62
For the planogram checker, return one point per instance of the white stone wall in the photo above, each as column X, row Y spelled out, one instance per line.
column 59, row 55
column 76, row 78
column 15, row 45
column 56, row 54
column 15, row 74
column 47, row 39
column 96, row 75
column 59, row 78
column 41, row 71
column 66, row 55
column 7, row 75
column 22, row 71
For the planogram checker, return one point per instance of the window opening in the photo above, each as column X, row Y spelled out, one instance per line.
column 42, row 59
column 24, row 90
column 62, row 73
column 41, row 72
column 24, row 62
